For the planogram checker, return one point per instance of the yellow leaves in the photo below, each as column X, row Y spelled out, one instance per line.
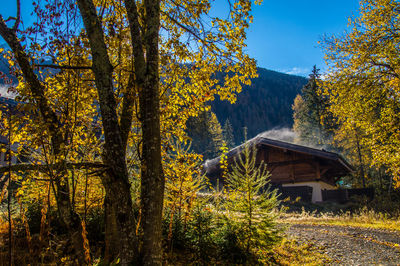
column 396, row 181
column 364, row 82
column 209, row 55
column 19, row 193
column 197, row 62
column 183, row 177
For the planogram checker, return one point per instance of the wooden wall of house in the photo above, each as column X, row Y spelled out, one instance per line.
column 288, row 166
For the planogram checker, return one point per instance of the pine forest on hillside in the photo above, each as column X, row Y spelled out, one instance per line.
column 261, row 106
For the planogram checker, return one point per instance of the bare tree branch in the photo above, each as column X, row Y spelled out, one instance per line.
column 18, row 18
column 61, row 67
column 44, row 168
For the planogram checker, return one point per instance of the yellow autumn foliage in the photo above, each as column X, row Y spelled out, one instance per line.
column 201, row 57
column 363, row 81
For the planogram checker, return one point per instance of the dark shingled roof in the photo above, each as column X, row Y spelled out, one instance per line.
column 212, row 165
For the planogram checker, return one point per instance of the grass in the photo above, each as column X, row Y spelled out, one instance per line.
column 363, row 218
column 290, row 252
column 286, row 252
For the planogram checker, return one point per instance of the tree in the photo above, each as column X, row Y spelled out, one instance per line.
column 199, row 133
column 150, row 66
column 216, row 134
column 363, row 82
column 186, row 180
column 349, row 140
column 301, row 124
column 227, row 132
column 206, row 134
column 52, row 124
column 312, row 120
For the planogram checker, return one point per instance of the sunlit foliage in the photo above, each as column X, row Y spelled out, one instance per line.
column 363, row 82
column 199, row 56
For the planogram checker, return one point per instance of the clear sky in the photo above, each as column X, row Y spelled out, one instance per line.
column 285, row 33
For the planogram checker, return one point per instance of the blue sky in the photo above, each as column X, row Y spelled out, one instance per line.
column 8, row 8
column 285, row 33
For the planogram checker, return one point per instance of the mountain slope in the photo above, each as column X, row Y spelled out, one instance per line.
column 264, row 105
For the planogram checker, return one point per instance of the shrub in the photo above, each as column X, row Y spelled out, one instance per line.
column 34, row 215
column 201, row 233
column 174, row 231
column 228, row 243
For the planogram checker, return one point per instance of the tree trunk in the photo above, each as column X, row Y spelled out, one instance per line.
column 120, row 235
column 360, row 160
column 70, row 218
column 152, row 181
column 115, row 181
column 152, row 178
column 111, row 230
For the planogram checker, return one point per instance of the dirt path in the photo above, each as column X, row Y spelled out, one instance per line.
column 351, row 245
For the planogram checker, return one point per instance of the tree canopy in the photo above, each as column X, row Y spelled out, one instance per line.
column 363, row 81
column 310, row 112
column 125, row 76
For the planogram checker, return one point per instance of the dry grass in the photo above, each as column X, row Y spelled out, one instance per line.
column 363, row 218
column 290, row 252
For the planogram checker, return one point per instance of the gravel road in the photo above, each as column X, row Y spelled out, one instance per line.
column 351, row 245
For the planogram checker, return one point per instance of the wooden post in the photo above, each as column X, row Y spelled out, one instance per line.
column 292, row 168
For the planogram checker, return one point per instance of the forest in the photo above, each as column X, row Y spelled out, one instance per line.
column 117, row 105
column 261, row 106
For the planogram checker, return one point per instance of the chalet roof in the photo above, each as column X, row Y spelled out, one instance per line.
column 259, row 140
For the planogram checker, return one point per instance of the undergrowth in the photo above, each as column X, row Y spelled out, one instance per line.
column 290, row 252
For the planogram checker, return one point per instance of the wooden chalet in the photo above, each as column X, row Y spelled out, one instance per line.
column 290, row 166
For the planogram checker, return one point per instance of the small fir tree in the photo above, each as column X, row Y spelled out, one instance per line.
column 251, row 201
